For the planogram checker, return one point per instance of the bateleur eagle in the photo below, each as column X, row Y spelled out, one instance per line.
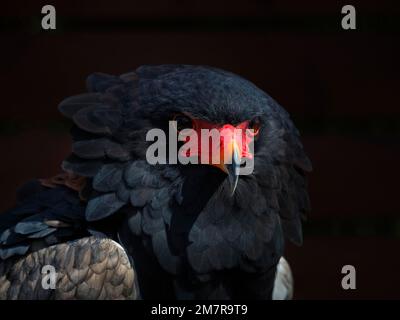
column 114, row 226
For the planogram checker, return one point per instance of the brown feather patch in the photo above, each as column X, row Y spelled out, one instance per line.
column 68, row 179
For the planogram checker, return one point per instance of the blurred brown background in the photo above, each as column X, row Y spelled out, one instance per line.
column 341, row 87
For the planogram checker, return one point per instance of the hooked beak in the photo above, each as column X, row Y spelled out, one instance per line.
column 233, row 168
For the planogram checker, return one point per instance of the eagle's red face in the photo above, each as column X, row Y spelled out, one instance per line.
column 223, row 146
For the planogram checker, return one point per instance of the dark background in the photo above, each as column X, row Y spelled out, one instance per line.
column 340, row 86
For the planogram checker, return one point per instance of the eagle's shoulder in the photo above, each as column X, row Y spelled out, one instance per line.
column 47, row 212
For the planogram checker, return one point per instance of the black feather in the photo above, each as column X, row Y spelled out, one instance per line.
column 98, row 119
column 71, row 105
column 103, row 206
column 108, row 178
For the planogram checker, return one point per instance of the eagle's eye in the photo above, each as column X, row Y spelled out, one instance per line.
column 182, row 122
column 255, row 124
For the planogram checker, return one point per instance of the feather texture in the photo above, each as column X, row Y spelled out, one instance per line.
column 181, row 226
column 81, row 272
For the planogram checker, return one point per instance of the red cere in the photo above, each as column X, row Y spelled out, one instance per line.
column 241, row 134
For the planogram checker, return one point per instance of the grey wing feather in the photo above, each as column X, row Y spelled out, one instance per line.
column 88, row 268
